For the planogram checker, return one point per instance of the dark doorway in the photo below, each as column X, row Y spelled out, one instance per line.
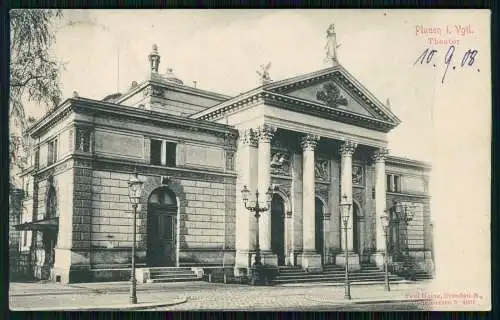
column 161, row 231
column 318, row 205
column 278, row 228
column 355, row 228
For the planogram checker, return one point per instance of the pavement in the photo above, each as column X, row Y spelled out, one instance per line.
column 198, row 295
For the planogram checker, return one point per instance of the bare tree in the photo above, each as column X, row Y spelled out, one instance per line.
column 34, row 73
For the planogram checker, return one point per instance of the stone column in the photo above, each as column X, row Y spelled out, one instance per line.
column 346, row 151
column 309, row 259
column 163, row 153
column 246, row 225
column 266, row 134
column 380, row 205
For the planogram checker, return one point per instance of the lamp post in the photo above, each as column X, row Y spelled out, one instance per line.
column 345, row 208
column 385, row 224
column 257, row 208
column 134, row 192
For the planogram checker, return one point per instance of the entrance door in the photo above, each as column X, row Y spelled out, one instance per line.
column 319, row 237
column 162, row 222
column 278, row 228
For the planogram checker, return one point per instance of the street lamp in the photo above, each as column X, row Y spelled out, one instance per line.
column 404, row 213
column 385, row 224
column 257, row 208
column 345, row 208
column 134, row 192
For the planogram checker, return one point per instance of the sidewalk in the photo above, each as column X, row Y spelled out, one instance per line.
column 198, row 295
column 45, row 296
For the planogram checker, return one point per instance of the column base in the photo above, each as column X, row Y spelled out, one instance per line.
column 310, row 261
column 353, row 259
column 378, row 259
column 267, row 258
column 242, row 262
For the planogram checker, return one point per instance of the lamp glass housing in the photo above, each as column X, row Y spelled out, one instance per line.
column 344, row 209
column 269, row 196
column 135, row 189
column 244, row 194
column 385, row 221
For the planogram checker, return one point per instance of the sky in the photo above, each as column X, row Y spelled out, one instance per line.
column 105, row 50
column 445, row 122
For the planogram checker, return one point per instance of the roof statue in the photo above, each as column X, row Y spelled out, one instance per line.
column 331, row 45
column 388, row 103
column 154, row 59
column 265, row 78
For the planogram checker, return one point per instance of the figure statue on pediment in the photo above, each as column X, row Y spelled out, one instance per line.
column 264, row 73
column 331, row 44
column 357, row 175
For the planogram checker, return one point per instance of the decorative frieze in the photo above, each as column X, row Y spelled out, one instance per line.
column 280, row 163
column 348, row 148
column 330, row 95
column 309, row 142
column 154, row 91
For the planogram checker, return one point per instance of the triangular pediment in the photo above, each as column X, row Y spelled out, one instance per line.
column 337, row 89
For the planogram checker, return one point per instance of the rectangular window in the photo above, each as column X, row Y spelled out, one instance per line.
column 155, row 153
column 170, row 155
column 393, row 183
column 25, row 238
column 397, row 184
column 52, row 152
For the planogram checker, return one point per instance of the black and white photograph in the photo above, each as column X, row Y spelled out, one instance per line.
column 249, row 160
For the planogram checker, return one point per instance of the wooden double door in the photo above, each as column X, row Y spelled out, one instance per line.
column 162, row 236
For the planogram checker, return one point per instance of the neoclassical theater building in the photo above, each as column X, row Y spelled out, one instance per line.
column 312, row 139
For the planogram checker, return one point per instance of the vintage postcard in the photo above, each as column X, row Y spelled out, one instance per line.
column 314, row 160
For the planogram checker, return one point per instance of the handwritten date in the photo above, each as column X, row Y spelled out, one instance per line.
column 430, row 56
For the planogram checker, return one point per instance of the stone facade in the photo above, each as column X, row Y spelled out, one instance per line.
column 194, row 151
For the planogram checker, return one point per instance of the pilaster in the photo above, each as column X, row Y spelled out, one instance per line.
column 380, row 205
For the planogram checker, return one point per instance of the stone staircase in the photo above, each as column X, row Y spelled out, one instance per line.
column 172, row 274
column 333, row 274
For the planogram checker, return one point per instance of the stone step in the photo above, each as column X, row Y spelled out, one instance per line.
column 351, row 276
column 173, row 279
column 173, row 274
column 339, row 280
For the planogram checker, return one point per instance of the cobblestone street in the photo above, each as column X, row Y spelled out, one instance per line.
column 210, row 296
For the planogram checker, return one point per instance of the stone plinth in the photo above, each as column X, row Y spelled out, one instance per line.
column 378, row 259
column 353, row 259
column 267, row 258
column 310, row 261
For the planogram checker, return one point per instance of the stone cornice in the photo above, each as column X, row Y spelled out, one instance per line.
column 173, row 87
column 96, row 108
column 301, row 106
column 272, row 94
column 405, row 162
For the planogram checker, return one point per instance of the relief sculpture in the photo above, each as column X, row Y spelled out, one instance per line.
column 321, row 170
column 280, row 163
column 357, row 175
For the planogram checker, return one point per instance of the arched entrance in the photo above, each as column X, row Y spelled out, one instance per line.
column 318, row 205
column 278, row 228
column 161, row 229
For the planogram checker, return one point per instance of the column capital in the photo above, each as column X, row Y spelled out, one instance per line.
column 380, row 154
column 266, row 133
column 249, row 137
column 309, row 142
column 348, row 148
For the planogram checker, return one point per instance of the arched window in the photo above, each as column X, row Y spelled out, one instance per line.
column 163, row 196
column 51, row 210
